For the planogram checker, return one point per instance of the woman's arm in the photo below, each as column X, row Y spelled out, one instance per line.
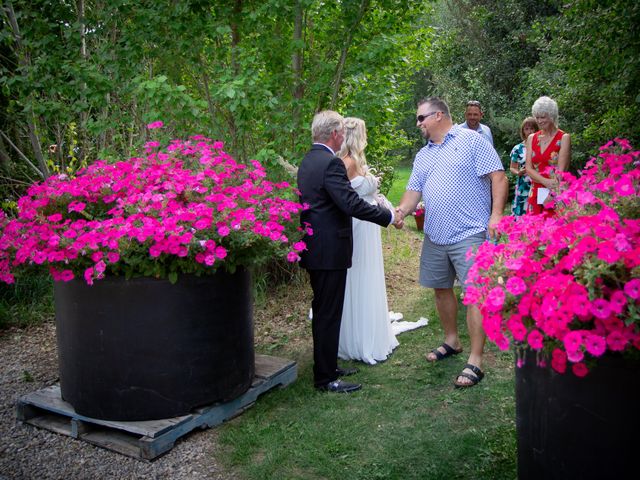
column 514, row 166
column 564, row 156
column 515, row 169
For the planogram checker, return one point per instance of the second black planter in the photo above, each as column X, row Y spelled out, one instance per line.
column 582, row 428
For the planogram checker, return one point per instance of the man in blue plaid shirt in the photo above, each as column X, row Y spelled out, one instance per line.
column 461, row 180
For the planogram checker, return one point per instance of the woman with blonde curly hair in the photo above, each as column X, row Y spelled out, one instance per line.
column 365, row 331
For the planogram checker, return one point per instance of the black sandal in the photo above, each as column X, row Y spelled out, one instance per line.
column 479, row 375
column 448, row 352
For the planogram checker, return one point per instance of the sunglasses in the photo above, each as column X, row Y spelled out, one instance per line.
column 473, row 103
column 422, row 118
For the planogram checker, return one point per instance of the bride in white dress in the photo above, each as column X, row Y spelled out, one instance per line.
column 365, row 332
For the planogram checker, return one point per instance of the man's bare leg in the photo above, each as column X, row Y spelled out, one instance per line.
column 478, row 337
column 447, row 307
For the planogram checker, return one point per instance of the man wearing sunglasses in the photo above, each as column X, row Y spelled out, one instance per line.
column 461, row 180
column 472, row 115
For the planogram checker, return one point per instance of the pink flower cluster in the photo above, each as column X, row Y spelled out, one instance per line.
column 569, row 284
column 190, row 208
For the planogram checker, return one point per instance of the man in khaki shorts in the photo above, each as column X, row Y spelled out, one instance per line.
column 461, row 180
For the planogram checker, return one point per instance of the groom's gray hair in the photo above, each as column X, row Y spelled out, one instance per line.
column 324, row 124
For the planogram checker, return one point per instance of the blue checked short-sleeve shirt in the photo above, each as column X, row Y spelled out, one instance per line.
column 456, row 189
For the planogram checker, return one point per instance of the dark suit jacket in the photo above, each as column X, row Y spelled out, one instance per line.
column 325, row 187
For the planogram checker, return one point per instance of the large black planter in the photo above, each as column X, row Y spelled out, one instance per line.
column 582, row 428
column 145, row 349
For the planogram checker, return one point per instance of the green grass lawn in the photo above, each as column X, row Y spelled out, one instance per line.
column 400, row 179
column 408, row 422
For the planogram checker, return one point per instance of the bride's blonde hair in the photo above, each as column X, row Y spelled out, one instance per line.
column 355, row 141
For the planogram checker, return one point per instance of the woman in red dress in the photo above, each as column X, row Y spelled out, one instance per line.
column 548, row 151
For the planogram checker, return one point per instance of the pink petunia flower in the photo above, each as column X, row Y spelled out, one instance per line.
column 600, row 308
column 113, row 257
column 88, row 276
column 616, row 341
column 516, row 286
column 624, row 186
column 66, row 275
column 632, row 288
column 608, row 252
column 502, row 342
column 517, row 328
column 617, row 302
column 572, row 341
column 595, row 344
column 495, row 299
column 559, row 360
column 575, row 356
column 293, row 257
column 579, row 369
column 534, row 339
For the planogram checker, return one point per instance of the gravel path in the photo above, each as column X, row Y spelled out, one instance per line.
column 28, row 362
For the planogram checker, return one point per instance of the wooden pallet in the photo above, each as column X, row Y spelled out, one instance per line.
column 147, row 440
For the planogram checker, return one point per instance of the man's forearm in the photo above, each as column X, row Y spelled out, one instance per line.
column 409, row 201
column 499, row 192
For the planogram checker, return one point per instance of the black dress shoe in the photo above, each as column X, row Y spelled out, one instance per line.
column 338, row 386
column 345, row 372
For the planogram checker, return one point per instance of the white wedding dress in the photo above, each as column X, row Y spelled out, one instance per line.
column 366, row 333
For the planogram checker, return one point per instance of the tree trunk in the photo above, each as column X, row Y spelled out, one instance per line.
column 59, row 134
column 337, row 77
column 22, row 155
column 84, row 115
column 104, row 135
column 207, row 93
column 107, row 136
column 4, row 155
column 296, row 67
column 25, row 62
column 235, row 35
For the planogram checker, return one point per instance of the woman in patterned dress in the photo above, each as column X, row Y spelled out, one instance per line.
column 517, row 167
column 547, row 151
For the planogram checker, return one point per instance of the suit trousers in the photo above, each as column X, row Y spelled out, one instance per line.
column 328, row 298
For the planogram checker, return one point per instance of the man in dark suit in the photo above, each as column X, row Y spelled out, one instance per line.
column 325, row 188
